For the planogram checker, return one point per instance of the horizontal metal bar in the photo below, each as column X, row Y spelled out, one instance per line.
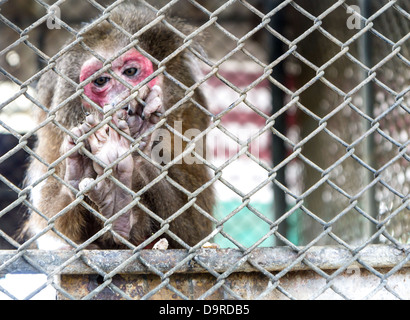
column 349, row 284
column 220, row 260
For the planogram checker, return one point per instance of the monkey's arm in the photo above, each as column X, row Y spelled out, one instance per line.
column 50, row 199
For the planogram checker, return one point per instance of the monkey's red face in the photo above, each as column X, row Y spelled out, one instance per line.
column 132, row 67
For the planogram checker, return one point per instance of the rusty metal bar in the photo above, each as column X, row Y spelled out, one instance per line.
column 302, row 285
column 220, row 260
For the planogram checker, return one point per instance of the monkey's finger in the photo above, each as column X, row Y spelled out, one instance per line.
column 152, row 107
column 155, row 117
column 116, row 137
column 123, row 126
column 101, row 134
column 120, row 120
column 97, row 139
column 85, row 185
column 91, row 120
column 86, row 126
column 70, row 142
column 156, row 92
column 119, row 115
column 107, row 109
column 143, row 92
column 94, row 192
column 76, row 132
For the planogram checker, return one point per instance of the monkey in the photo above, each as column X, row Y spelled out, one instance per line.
column 88, row 110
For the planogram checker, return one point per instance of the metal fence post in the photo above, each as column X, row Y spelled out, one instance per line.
column 365, row 52
column 278, row 145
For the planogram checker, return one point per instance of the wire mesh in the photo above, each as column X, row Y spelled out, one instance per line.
column 308, row 110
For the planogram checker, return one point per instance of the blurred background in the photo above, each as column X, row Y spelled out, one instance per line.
column 326, row 130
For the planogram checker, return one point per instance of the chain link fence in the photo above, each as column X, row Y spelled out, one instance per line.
column 308, row 110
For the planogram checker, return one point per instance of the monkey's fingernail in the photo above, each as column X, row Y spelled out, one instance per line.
column 106, row 108
column 121, row 115
column 143, row 115
column 142, row 145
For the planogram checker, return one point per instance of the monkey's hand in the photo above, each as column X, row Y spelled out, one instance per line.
column 78, row 166
column 110, row 150
column 141, row 119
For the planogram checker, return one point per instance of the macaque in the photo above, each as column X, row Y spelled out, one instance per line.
column 108, row 127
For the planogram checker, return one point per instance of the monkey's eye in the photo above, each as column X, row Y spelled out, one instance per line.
column 130, row 72
column 101, row 81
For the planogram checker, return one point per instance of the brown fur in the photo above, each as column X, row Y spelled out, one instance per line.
column 163, row 199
